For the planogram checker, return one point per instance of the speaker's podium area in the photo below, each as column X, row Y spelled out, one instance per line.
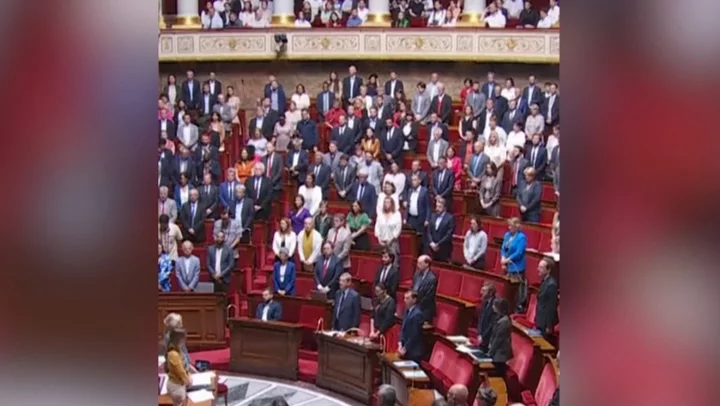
column 269, row 119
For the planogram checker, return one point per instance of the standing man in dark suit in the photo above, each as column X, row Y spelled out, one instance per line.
column 518, row 163
column 347, row 305
column 191, row 91
column 327, row 271
column 165, row 165
column 501, row 103
column 363, row 192
column 528, row 197
column 550, row 109
column 388, row 274
column 411, row 332
column 416, row 169
column 192, row 217
column 273, row 169
column 205, row 148
column 343, row 137
column 425, row 284
column 351, row 86
column 166, row 125
column 324, row 100
column 276, row 94
column 322, row 173
column 209, row 197
column 488, row 88
column 227, row 189
column 486, row 321
column 296, row 163
column 434, row 123
column 440, row 233
column 384, row 107
column 243, row 211
column 511, row 117
column 214, row 85
column 261, row 121
column 546, row 316
column 184, row 164
column 532, row 94
column 442, row 105
column 308, row 130
column 443, row 181
column 343, row 177
column 207, row 102
column 268, row 310
column 417, row 205
column 391, row 143
column 393, row 85
column 220, row 263
column 500, row 345
column 259, row 187
column 537, row 156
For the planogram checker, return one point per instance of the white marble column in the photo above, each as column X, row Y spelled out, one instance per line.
column 283, row 13
column 379, row 13
column 473, row 12
column 188, row 15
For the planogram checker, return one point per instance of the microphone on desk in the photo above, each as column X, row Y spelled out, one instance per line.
column 320, row 324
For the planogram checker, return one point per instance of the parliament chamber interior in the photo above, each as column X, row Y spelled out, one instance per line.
column 358, row 213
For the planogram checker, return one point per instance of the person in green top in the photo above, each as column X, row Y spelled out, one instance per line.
column 401, row 21
column 358, row 221
column 323, row 220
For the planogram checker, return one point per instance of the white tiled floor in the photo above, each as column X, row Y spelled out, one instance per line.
column 257, row 392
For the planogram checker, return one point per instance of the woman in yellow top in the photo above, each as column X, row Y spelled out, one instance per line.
column 244, row 166
column 370, row 143
column 176, row 368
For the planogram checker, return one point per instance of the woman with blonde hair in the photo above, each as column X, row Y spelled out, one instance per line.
column 388, row 226
column 495, row 151
column 284, row 238
column 172, row 322
column 176, row 367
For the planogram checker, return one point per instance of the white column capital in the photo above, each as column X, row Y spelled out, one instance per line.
column 283, row 13
column 188, row 15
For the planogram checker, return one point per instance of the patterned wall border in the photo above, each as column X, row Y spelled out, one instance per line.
column 348, row 44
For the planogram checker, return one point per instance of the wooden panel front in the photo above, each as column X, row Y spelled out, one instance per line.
column 265, row 348
column 346, row 368
column 204, row 317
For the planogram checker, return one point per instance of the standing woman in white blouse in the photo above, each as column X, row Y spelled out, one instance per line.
column 495, row 151
column 437, row 16
column 284, row 238
column 388, row 226
column 293, row 115
column 301, row 99
column 397, row 178
column 171, row 90
column 311, row 193
column 475, row 246
column 389, row 191
column 510, row 92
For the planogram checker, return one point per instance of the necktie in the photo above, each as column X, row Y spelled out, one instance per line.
column 344, row 174
column 342, row 297
column 326, row 105
column 162, row 211
column 384, row 274
column 317, row 171
column 257, row 187
column 515, row 172
column 360, row 192
column 534, row 155
column 439, row 105
column 335, row 238
column 269, row 165
column 325, row 268
column 207, row 189
column 192, row 212
column 476, row 160
column 442, row 175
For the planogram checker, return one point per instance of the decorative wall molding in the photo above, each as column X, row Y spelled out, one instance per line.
column 481, row 45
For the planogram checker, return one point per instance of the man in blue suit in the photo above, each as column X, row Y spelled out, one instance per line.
column 363, row 192
column 327, row 271
column 347, row 305
column 443, row 181
column 296, row 162
column 411, row 332
column 440, row 233
column 276, row 94
column 322, row 173
column 308, row 131
column 187, row 268
column 424, row 283
column 537, row 156
column 220, row 263
column 325, row 99
column 243, row 211
column 391, row 143
column 227, row 189
column 268, row 310
column 417, row 205
column 528, row 197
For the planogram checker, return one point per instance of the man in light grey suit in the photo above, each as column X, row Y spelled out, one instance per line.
column 475, row 99
column 476, row 166
column 437, row 147
column 187, row 268
column 332, row 158
column 339, row 237
column 220, row 263
column 187, row 133
column 167, row 205
column 421, row 104
column 224, row 110
column 344, row 177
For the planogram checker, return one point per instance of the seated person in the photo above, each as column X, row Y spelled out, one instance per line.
column 284, row 274
column 269, row 310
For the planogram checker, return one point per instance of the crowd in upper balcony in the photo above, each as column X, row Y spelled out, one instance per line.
column 223, row 14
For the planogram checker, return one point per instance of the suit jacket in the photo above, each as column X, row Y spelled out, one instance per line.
column 262, row 197
column 398, row 86
column 343, row 183
column 225, row 112
column 431, row 148
column 514, row 250
column 355, row 126
column 281, row 99
column 206, row 104
column 522, row 164
column 412, row 137
column 500, row 347
column 170, row 209
column 486, row 321
column 476, row 166
column 555, row 118
column 529, row 195
column 346, row 87
column 445, row 131
column 372, row 122
column 444, row 110
column 421, row 174
column 368, row 199
column 248, row 213
column 178, row 93
column 227, row 261
column 476, row 101
column 200, row 150
column 442, row 233
column 394, row 145
column 331, row 275
column 546, row 316
column 176, row 194
column 346, row 311
column 218, row 85
column 488, row 89
column 411, row 334
column 190, row 170
column 421, row 106
column 187, row 272
column 197, row 223
column 332, row 161
column 267, row 127
column 445, row 187
column 426, row 289
column 383, row 315
column 392, row 279
column 384, row 112
column 227, row 194
column 167, row 168
column 540, row 163
column 276, row 170
column 302, row 164
column 193, row 138
column 322, row 178
column 210, row 199
column 322, row 108
column 424, row 208
column 508, row 122
column 342, row 242
column 193, row 103
column 536, row 97
column 169, row 128
column 288, row 282
column 501, row 106
column 309, row 133
column 274, row 311
column 344, row 137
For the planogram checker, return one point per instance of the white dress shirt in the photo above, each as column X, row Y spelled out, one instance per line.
column 381, row 201
column 513, row 7
column 283, row 268
column 545, row 22
column 363, row 14
column 516, row 138
column 496, row 20
column 413, row 204
column 218, row 257
column 388, row 226
column 290, row 243
column 554, row 14
column 397, row 179
column 313, row 197
column 436, row 18
column 551, row 143
column 502, row 135
column 184, row 194
column 266, row 310
column 436, row 151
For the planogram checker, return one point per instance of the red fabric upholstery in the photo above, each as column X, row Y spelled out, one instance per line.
column 523, row 367
column 546, row 385
column 548, row 193
column 365, row 324
column 400, row 302
column 303, row 286
column 307, row 370
column 533, row 238
column 407, row 268
column 492, row 260
column 446, row 318
column 531, row 266
column 546, row 215
column 448, row 282
column 545, row 242
column 392, row 337
column 219, row 359
column 528, row 319
column 470, row 288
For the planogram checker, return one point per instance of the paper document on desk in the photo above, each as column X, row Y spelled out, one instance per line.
column 414, row 374
column 405, row 364
column 533, row 332
column 200, row 396
column 457, row 340
column 555, row 256
column 162, row 384
column 202, row 379
column 332, row 333
column 464, row 348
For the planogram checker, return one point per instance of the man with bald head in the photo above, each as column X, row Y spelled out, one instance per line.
column 425, row 284
column 220, row 263
column 192, row 217
column 167, row 205
column 457, row 395
column 187, row 268
column 386, row 395
column 442, row 104
column 259, row 188
column 347, row 305
column 486, row 397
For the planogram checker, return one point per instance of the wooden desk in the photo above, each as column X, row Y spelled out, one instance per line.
column 265, row 347
column 410, row 392
column 204, row 317
column 545, row 347
column 347, row 365
column 164, row 400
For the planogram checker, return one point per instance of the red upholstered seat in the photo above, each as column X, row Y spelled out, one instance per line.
column 448, row 281
column 548, row 193
column 392, row 337
column 307, row 355
column 307, row 370
column 407, row 268
column 400, row 303
column 222, row 391
column 528, row 318
column 365, row 324
column 470, row 288
column 546, row 215
column 446, row 318
column 303, row 286
column 492, row 260
column 545, row 388
column 442, row 360
column 457, row 255
column 545, row 242
column 219, row 359
column 365, row 267
column 531, row 266
column 524, row 366
column 533, row 238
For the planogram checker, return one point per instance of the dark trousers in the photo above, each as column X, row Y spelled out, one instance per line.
column 532, row 217
column 418, row 225
column 479, row 263
column 245, row 238
column 222, row 287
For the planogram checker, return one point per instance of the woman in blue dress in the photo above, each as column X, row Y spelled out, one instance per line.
column 165, row 266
